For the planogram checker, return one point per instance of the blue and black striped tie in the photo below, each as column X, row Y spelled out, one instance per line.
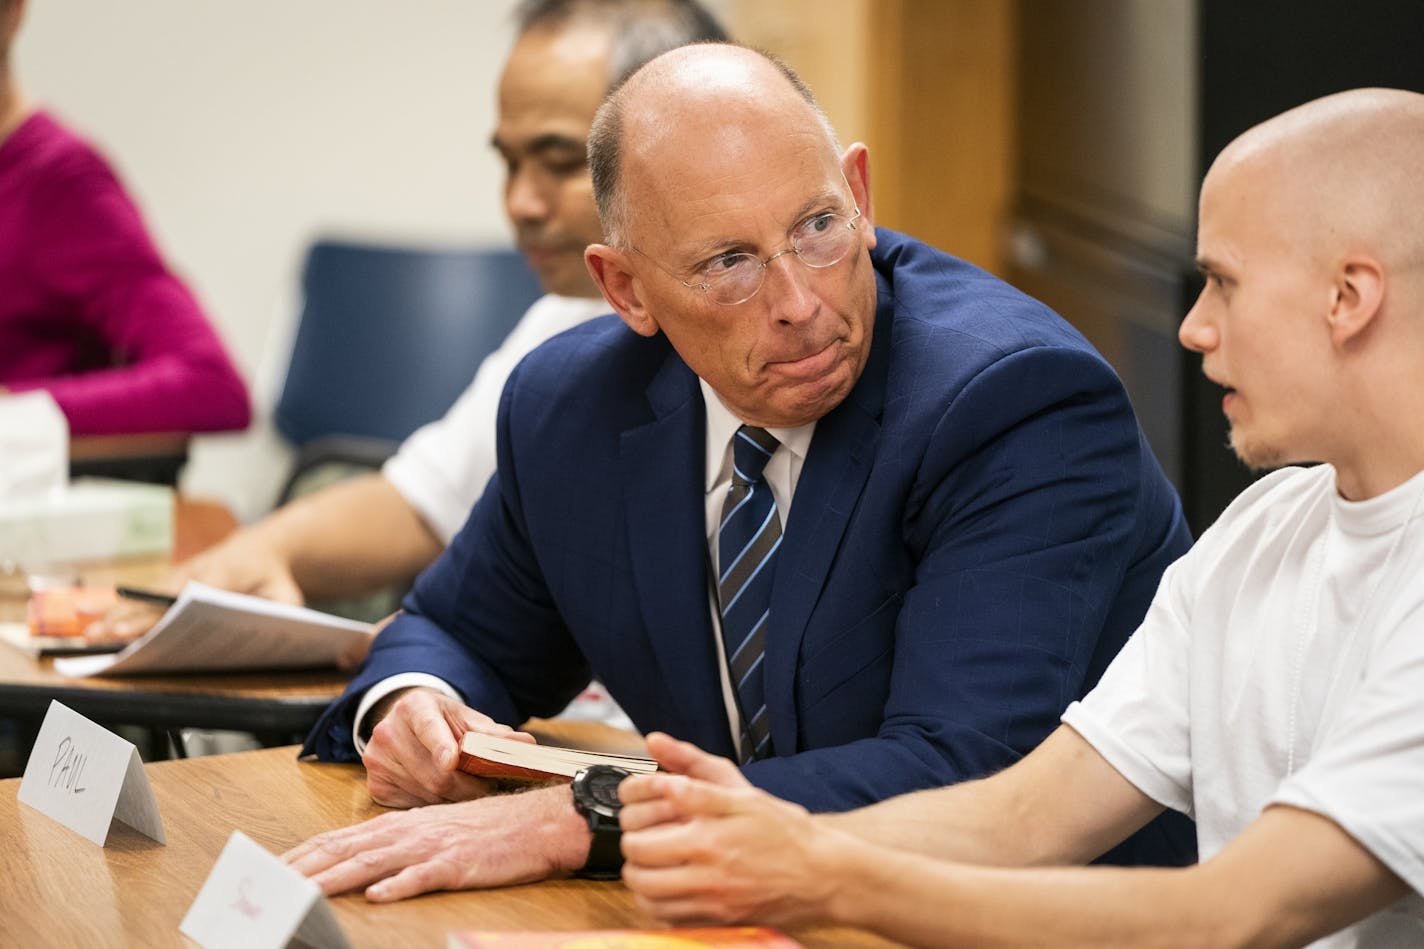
column 747, row 541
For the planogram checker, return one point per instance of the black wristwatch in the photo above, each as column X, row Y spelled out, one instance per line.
column 596, row 798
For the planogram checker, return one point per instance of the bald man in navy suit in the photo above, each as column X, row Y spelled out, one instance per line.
column 973, row 522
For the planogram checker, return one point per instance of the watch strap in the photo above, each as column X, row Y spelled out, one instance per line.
column 605, row 858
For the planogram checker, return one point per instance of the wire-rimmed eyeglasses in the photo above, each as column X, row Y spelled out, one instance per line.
column 820, row 241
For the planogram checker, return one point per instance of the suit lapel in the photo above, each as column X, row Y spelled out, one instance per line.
column 837, row 466
column 662, row 471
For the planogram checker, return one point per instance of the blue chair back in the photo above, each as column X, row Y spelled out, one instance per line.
column 388, row 337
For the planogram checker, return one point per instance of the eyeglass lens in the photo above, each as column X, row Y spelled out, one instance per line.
column 819, row 242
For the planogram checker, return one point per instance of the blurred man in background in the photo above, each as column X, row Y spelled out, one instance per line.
column 378, row 529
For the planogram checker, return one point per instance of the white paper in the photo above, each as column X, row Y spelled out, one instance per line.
column 252, row 900
column 86, row 777
column 34, row 441
column 212, row 630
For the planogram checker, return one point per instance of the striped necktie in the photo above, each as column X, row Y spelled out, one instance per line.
column 747, row 540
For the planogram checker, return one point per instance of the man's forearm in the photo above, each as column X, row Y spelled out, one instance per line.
column 920, row 901
column 959, row 823
column 349, row 538
column 1291, row 877
column 1063, row 804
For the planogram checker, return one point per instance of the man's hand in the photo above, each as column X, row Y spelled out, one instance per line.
column 701, row 844
column 414, row 748
column 646, row 798
column 244, row 563
column 247, row 562
column 127, row 619
column 499, row 841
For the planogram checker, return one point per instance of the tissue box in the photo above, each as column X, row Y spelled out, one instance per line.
column 90, row 519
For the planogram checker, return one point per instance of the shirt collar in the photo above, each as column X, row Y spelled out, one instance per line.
column 722, row 425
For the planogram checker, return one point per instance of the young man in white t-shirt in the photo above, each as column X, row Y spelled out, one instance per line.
column 1275, row 691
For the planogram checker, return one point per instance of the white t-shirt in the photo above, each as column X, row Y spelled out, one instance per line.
column 1282, row 661
column 442, row 468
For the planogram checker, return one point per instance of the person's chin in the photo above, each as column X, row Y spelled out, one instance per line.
column 815, row 397
column 1255, row 454
column 565, row 278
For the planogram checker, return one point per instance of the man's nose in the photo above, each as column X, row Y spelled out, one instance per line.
column 1197, row 332
column 790, row 282
column 524, row 199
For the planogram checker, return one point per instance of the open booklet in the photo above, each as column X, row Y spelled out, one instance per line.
column 490, row 756
column 212, row 630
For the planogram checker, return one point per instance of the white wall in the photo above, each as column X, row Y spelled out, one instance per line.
column 243, row 129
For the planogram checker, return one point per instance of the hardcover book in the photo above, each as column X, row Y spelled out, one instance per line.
column 491, row 756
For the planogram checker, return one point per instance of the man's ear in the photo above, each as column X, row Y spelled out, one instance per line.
column 1356, row 295
column 855, row 165
column 610, row 270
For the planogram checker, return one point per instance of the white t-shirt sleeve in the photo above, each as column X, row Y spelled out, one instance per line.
column 1366, row 769
column 1137, row 717
column 442, row 469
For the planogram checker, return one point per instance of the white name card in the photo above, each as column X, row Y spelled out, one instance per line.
column 252, row 900
column 86, row 777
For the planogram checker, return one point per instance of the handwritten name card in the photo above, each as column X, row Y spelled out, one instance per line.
column 86, row 777
column 252, row 900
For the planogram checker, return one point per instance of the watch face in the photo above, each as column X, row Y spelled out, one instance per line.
column 603, row 787
column 596, row 789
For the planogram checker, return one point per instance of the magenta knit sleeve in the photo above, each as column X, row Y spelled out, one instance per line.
column 168, row 369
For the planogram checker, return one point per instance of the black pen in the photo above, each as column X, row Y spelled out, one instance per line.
column 147, row 596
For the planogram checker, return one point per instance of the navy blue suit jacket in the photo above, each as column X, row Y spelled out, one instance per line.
column 976, row 531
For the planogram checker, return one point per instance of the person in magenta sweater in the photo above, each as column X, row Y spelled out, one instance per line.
column 88, row 310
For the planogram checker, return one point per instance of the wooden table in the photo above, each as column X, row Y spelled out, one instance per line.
column 272, row 702
column 60, row 889
column 283, row 703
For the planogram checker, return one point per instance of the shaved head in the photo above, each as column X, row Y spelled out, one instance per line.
column 1345, row 173
column 1312, row 314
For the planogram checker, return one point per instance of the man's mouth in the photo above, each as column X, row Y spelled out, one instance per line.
column 538, row 254
column 811, row 364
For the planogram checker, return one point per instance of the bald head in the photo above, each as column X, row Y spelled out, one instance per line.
column 689, row 111
column 1343, row 174
column 1312, row 313
column 736, row 229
